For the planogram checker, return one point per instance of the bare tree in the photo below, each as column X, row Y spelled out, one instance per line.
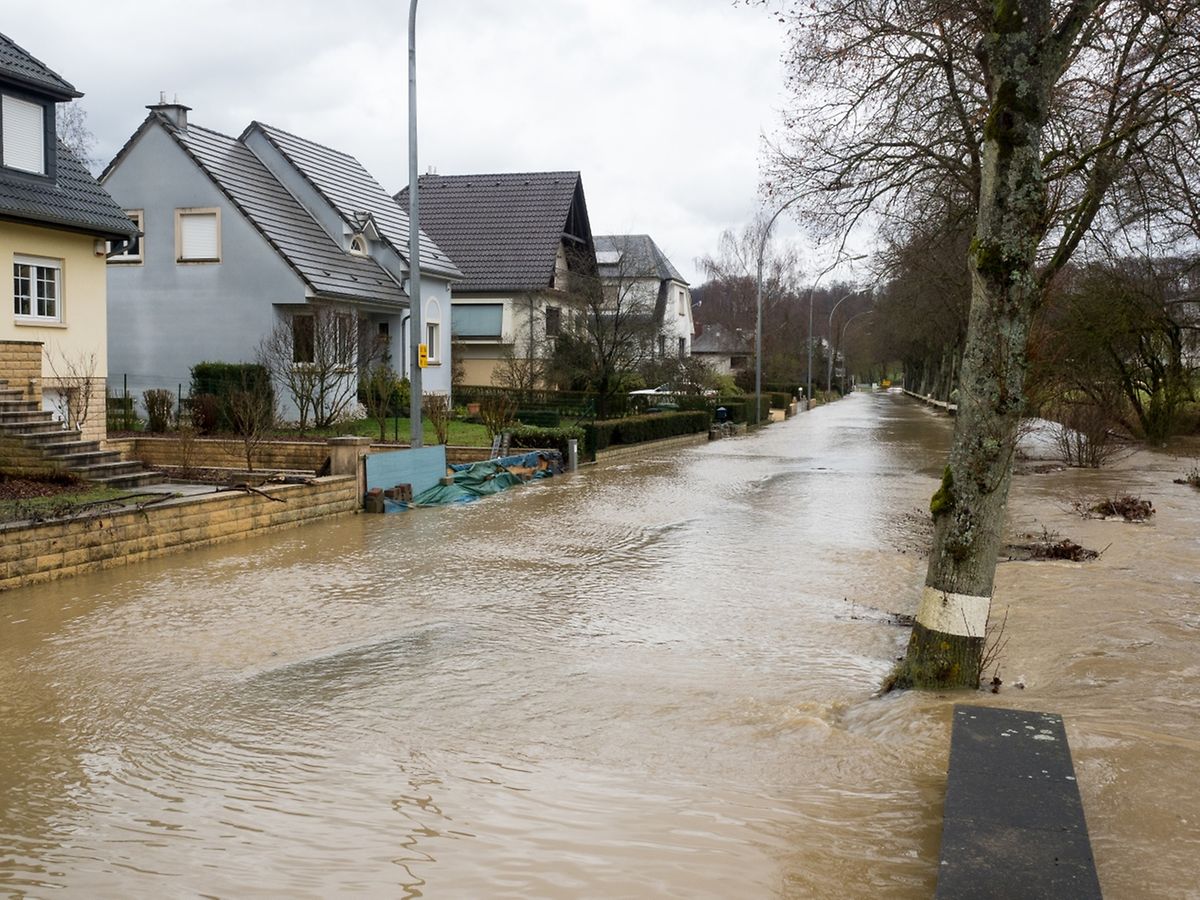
column 383, row 393
column 75, row 134
column 76, row 380
column 437, row 409
column 315, row 355
column 252, row 412
column 524, row 364
column 1047, row 119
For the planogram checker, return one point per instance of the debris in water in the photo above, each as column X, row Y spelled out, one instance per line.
column 1048, row 545
column 1126, row 506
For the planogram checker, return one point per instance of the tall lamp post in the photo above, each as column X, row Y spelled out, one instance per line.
column 829, row 331
column 416, row 438
column 762, row 248
column 842, row 340
column 841, row 258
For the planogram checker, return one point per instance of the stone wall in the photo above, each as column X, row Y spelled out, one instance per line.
column 625, row 451
column 18, row 460
column 218, row 453
column 30, row 554
column 21, row 367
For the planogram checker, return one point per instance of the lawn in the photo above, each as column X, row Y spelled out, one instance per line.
column 34, row 499
column 461, row 434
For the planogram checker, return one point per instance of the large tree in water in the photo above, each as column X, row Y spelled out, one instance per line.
column 1050, row 120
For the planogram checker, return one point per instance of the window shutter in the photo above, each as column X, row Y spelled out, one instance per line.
column 24, row 135
column 198, row 236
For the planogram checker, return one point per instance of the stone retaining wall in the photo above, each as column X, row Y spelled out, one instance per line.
column 30, row 554
column 21, row 367
column 227, row 453
column 625, row 451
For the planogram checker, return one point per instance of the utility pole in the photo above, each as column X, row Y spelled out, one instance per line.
column 414, row 243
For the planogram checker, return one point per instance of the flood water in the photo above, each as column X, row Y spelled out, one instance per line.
column 652, row 679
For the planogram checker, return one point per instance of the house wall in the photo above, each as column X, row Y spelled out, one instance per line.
column 481, row 359
column 678, row 324
column 164, row 317
column 78, row 341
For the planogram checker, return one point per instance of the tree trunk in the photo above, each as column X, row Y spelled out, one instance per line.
column 947, row 643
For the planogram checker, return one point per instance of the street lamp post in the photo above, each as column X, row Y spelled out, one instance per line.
column 833, row 265
column 762, row 248
column 829, row 331
column 842, row 340
column 414, row 242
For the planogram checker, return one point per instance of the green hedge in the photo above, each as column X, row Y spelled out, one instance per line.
column 741, row 408
column 217, row 380
column 779, row 400
column 603, row 434
column 534, row 437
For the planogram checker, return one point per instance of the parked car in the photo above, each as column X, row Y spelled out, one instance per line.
column 672, row 390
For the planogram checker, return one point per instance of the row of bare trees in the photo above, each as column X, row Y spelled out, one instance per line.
column 1057, row 127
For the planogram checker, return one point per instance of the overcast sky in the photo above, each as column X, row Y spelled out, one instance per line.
column 661, row 104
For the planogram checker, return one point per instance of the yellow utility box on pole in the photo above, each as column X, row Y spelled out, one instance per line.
column 423, row 355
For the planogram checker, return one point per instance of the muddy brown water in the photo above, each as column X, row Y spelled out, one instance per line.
column 652, row 679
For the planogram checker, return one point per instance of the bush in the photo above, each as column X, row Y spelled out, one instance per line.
column 780, row 400
column 533, row 437
column 605, row 433
column 741, row 409
column 204, row 410
column 543, row 418
column 219, row 380
column 159, row 405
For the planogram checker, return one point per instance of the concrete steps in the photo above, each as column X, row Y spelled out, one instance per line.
column 65, row 448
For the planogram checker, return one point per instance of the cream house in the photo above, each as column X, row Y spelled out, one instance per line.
column 56, row 228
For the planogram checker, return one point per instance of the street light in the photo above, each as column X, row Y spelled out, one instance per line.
column 414, row 243
column 762, row 247
column 841, row 258
column 842, row 340
column 829, row 331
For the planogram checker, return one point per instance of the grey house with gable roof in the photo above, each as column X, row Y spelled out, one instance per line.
column 239, row 234
column 632, row 264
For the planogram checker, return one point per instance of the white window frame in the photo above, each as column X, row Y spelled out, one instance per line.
column 35, row 263
column 433, row 331
column 126, row 258
column 11, row 108
column 180, row 215
column 358, row 245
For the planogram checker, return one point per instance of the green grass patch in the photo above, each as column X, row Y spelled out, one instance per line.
column 64, row 501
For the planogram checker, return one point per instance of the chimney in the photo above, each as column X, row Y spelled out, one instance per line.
column 175, row 111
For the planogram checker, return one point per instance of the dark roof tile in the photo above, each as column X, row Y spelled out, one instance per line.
column 18, row 65
column 503, row 230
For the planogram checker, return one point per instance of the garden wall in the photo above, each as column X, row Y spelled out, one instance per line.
column 226, row 453
column 31, row 554
column 624, row 451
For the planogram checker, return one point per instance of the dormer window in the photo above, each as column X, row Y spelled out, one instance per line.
column 358, row 245
column 24, row 135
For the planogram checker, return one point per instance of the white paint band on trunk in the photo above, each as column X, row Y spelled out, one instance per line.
column 961, row 614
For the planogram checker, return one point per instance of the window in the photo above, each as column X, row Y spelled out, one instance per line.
column 358, row 245
column 662, row 346
column 682, row 348
column 197, row 235
column 681, row 303
column 133, row 250
column 477, row 321
column 37, row 288
column 553, row 321
column 304, row 339
column 24, row 135
column 433, row 333
column 433, row 330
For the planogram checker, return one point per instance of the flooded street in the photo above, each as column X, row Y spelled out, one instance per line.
column 652, row 679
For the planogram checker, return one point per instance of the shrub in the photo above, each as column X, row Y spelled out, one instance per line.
column 779, row 400
column 535, row 437
column 204, row 413
column 602, row 434
column 159, row 404
column 220, row 379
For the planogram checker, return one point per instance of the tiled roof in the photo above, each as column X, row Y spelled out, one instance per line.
column 351, row 190
column 72, row 200
column 328, row 269
column 503, row 230
column 18, row 65
column 639, row 258
column 719, row 339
